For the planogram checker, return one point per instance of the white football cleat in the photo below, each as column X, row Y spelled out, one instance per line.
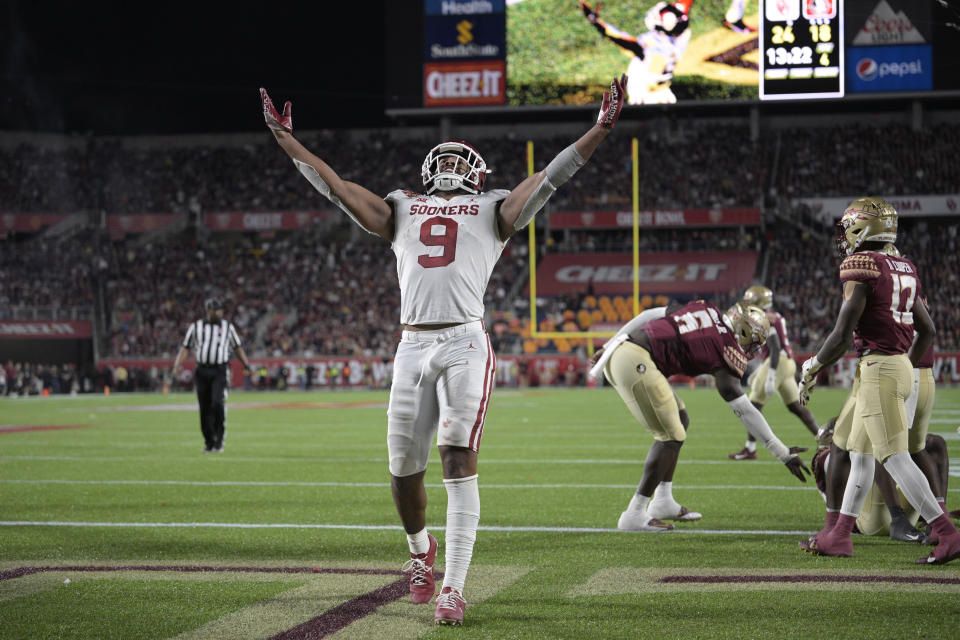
column 641, row 521
column 673, row 512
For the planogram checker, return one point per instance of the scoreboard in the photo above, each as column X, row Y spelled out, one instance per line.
column 801, row 49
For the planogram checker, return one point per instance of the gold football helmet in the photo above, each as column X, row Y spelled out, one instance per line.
column 750, row 325
column 891, row 250
column 758, row 296
column 867, row 219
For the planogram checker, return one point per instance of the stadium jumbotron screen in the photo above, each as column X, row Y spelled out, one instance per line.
column 519, row 53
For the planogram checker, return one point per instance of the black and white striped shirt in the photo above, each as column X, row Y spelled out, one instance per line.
column 212, row 342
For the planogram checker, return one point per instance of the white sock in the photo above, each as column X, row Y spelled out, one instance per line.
column 735, row 12
column 419, row 542
column 858, row 484
column 463, row 514
column 638, row 502
column 914, row 485
column 751, row 446
column 663, row 492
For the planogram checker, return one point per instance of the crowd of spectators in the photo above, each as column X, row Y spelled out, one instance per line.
column 705, row 166
column 333, row 291
column 863, row 158
column 55, row 276
column 683, row 164
column 32, row 379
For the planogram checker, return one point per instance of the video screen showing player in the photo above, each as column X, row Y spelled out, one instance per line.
column 671, row 51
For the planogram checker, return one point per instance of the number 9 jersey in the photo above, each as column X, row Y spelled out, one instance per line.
column 886, row 325
column 446, row 251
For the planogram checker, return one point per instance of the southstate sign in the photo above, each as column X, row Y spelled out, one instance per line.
column 667, row 273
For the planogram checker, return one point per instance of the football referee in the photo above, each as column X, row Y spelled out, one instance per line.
column 212, row 339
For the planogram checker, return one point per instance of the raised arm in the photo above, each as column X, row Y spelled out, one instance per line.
column 620, row 38
column 365, row 207
column 523, row 203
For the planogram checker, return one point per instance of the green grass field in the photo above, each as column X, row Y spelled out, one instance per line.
column 124, row 529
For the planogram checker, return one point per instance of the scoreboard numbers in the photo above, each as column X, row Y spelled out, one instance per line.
column 801, row 45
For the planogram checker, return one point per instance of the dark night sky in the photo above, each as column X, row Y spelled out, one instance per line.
column 174, row 68
column 165, row 68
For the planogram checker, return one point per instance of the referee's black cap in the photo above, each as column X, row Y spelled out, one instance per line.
column 212, row 304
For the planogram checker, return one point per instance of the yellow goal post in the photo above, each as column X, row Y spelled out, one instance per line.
column 589, row 335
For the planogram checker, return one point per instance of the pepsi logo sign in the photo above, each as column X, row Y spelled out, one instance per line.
column 867, row 69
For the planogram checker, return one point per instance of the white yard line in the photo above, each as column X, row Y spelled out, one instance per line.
column 383, row 485
column 312, row 460
column 955, row 472
column 363, row 527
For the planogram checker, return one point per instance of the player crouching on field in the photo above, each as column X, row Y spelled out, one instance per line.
column 691, row 340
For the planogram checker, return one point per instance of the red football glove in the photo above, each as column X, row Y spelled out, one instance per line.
column 591, row 13
column 612, row 103
column 273, row 119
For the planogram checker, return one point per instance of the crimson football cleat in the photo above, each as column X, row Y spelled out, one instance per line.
column 420, row 567
column 837, row 546
column 944, row 552
column 743, row 454
column 450, row 607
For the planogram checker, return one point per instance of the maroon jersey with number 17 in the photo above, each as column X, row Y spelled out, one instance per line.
column 694, row 340
column 886, row 325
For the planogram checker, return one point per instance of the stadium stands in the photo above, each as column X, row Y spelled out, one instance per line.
column 331, row 290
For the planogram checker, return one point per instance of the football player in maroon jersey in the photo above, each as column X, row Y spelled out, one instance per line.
column 692, row 340
column 882, row 309
column 776, row 375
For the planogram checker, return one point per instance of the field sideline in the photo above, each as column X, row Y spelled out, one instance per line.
column 113, row 524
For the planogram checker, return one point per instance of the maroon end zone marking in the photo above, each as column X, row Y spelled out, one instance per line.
column 321, row 626
column 347, row 613
column 15, row 428
column 805, row 578
column 19, row 573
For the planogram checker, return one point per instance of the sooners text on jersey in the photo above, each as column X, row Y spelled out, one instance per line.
column 446, row 251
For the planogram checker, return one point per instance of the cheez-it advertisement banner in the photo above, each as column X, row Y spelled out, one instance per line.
column 464, row 84
column 698, row 272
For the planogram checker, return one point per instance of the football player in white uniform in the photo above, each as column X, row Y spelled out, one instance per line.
column 665, row 41
column 447, row 241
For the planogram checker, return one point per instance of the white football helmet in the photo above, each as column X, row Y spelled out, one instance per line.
column 666, row 18
column 443, row 178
